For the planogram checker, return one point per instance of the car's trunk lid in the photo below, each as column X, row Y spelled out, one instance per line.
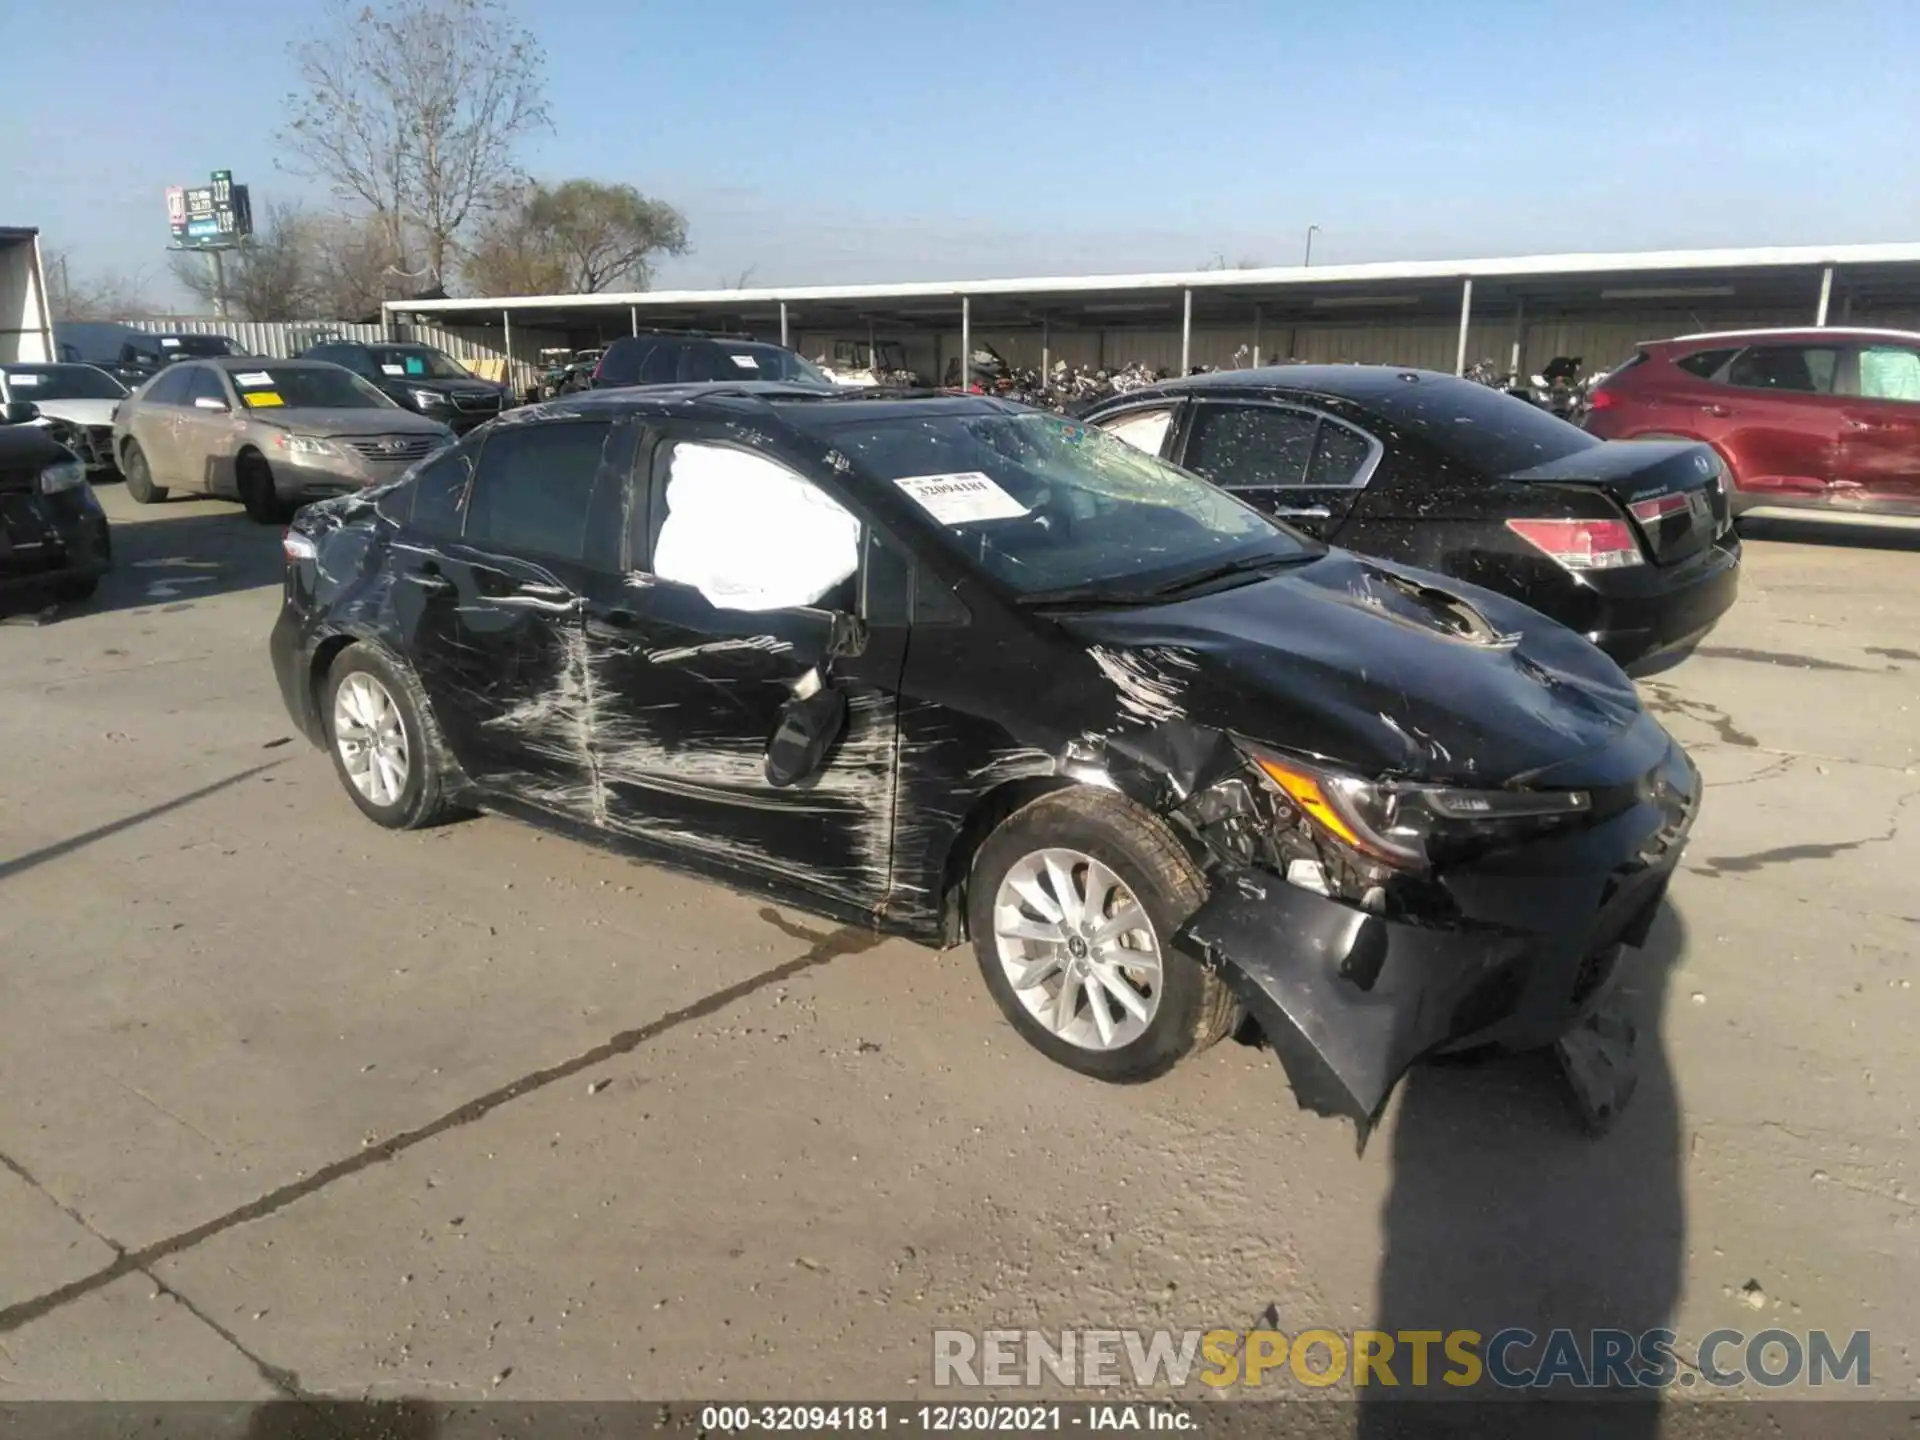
column 1673, row 493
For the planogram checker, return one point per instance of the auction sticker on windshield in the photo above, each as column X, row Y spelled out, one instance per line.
column 253, row 377
column 961, row 498
column 746, row 360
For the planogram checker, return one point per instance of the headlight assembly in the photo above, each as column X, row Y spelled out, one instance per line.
column 309, row 445
column 428, row 399
column 67, row 475
column 1398, row 823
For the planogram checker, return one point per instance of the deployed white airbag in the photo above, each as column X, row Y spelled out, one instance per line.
column 749, row 534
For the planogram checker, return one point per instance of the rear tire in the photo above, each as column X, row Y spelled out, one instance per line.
column 139, row 477
column 255, row 479
column 77, row 589
column 1146, row 872
column 386, row 745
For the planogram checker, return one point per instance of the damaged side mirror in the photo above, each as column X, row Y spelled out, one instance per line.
column 809, row 725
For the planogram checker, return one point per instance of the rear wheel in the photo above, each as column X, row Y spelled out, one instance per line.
column 78, row 588
column 255, row 478
column 139, row 477
column 1073, row 905
column 385, row 743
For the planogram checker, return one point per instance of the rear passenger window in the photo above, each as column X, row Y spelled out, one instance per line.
column 1340, row 456
column 440, row 494
column 660, row 365
column 1801, row 368
column 621, row 364
column 1704, row 363
column 1252, row 446
column 534, row 488
column 1143, row 429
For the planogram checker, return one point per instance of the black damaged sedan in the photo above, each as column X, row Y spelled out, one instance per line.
column 1630, row 543
column 965, row 671
column 53, row 533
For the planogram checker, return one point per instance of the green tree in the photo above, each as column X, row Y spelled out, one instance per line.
column 577, row 237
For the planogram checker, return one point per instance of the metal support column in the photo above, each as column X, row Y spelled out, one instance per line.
column 783, row 326
column 1826, row 294
column 506, row 321
column 1046, row 351
column 1186, row 331
column 219, row 284
column 1466, row 314
column 1519, row 351
column 1256, row 337
column 966, row 343
column 633, row 318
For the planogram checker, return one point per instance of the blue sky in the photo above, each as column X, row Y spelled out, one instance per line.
column 832, row 141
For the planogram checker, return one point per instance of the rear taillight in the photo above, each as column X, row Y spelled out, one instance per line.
column 298, row 546
column 1601, row 400
column 1652, row 512
column 1581, row 544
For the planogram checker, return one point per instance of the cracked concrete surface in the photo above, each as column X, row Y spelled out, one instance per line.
column 290, row 1106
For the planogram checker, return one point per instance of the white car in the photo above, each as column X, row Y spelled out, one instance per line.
column 76, row 402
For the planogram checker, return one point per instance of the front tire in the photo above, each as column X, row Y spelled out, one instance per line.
column 385, row 744
column 255, row 478
column 139, row 476
column 1073, row 904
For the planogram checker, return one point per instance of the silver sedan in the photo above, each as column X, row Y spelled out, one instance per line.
column 269, row 433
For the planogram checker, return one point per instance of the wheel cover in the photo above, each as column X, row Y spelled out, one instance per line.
column 370, row 738
column 1078, row 948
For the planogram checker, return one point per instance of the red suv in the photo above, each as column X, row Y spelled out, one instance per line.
column 1820, row 421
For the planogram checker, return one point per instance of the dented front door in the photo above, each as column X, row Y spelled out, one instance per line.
column 692, row 692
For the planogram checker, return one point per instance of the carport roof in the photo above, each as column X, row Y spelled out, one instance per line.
column 1762, row 275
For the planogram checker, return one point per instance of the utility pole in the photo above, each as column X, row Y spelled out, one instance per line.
column 1307, row 259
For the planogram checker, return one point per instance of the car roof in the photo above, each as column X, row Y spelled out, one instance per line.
column 1792, row 332
column 254, row 362
column 805, row 407
column 1359, row 383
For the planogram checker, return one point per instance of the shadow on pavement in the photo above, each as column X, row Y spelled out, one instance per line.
column 164, row 561
column 1842, row 537
column 15, row 866
column 1503, row 1213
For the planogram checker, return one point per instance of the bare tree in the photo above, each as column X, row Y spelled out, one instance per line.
column 270, row 276
column 103, row 295
column 415, row 112
column 577, row 237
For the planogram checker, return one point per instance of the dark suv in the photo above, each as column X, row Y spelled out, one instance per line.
column 421, row 378
column 1822, row 422
column 669, row 357
column 143, row 356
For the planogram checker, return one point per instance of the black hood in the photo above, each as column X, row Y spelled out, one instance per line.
column 1383, row 669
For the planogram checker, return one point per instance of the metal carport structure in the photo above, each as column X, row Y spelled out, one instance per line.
column 1441, row 313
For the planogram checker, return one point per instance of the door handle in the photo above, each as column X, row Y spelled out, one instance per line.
column 429, row 579
column 1720, row 411
column 1863, row 425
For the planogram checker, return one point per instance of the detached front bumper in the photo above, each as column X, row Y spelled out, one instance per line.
column 1349, row 1000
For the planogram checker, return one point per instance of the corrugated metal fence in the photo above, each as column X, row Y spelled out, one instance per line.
column 481, row 350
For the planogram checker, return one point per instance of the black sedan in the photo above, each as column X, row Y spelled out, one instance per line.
column 1629, row 543
column 53, row 535
column 957, row 668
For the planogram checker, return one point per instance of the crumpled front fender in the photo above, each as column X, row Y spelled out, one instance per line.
column 1349, row 1000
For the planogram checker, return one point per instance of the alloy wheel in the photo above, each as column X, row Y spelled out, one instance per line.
column 371, row 738
column 1078, row 948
